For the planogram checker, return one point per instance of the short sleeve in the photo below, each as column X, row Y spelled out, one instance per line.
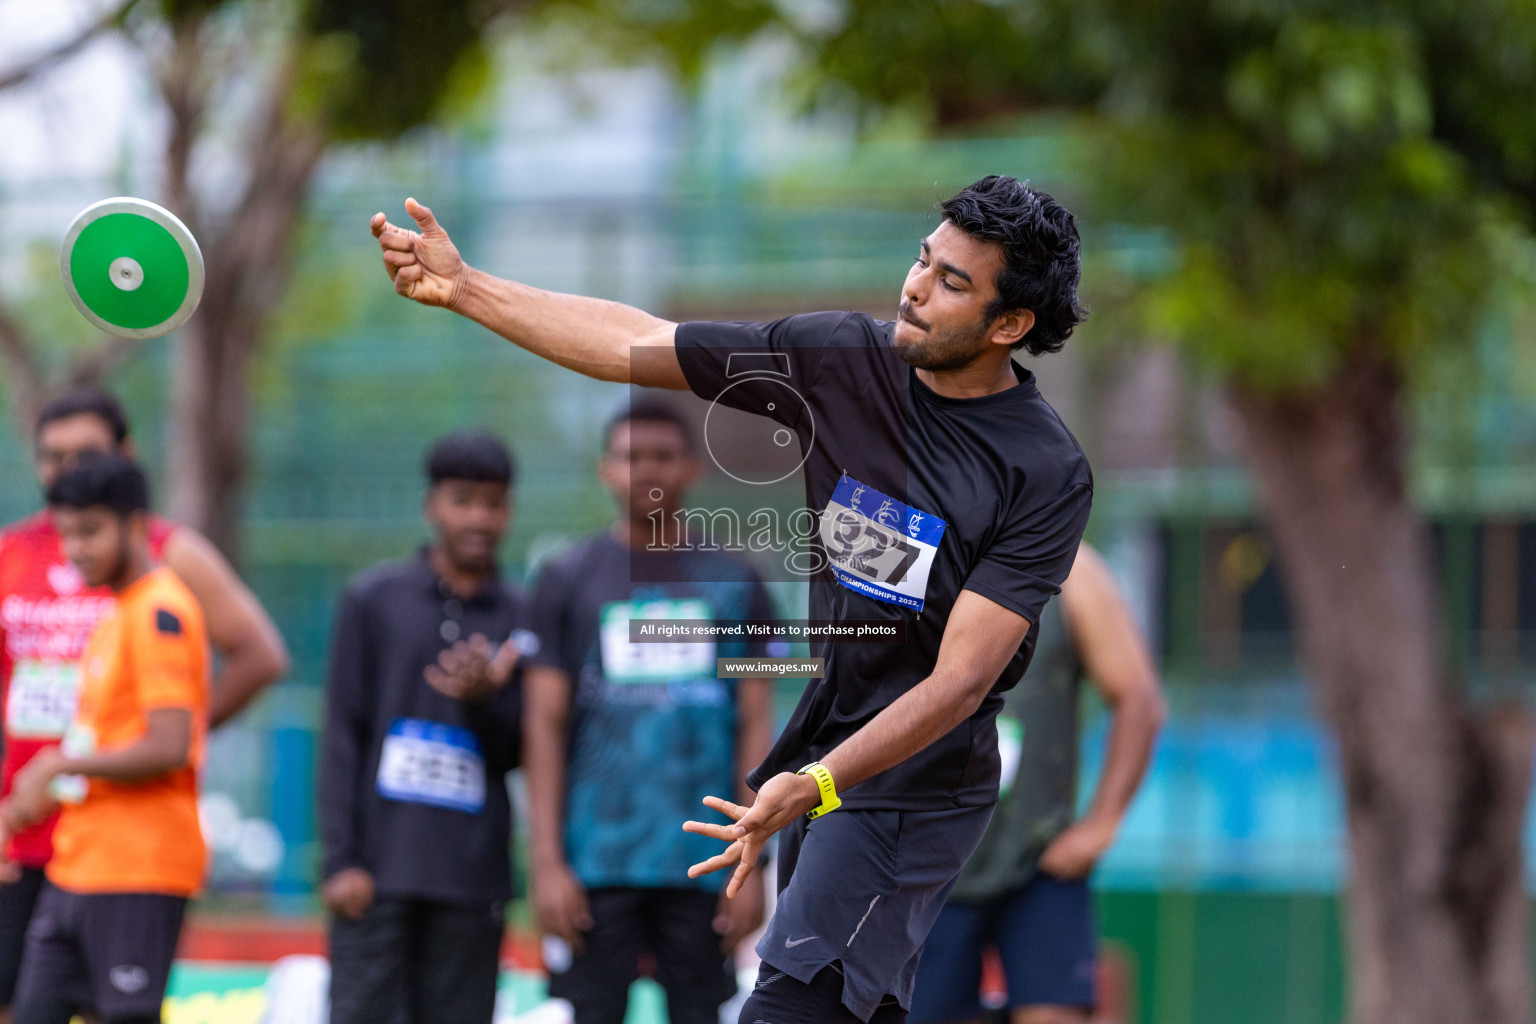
column 170, row 659
column 1032, row 554
column 746, row 366
column 548, row 622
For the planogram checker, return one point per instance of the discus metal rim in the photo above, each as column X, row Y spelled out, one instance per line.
column 177, row 230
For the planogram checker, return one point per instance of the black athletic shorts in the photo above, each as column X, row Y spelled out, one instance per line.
column 676, row 927
column 110, row 953
column 861, row 889
column 410, row 961
column 17, row 901
column 779, row 999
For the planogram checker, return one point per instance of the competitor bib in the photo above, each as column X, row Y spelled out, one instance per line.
column 629, row 663
column 432, row 763
column 878, row 546
column 41, row 702
column 1010, row 751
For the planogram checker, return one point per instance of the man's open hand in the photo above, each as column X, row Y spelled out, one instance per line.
column 472, row 669
column 425, row 265
column 1073, row 854
column 560, row 904
column 30, row 801
column 349, row 892
column 782, row 799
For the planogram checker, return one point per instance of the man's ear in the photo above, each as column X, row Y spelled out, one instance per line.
column 603, row 475
column 128, row 450
column 138, row 527
column 1010, row 327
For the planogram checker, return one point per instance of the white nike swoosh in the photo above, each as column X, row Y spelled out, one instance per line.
column 791, row 945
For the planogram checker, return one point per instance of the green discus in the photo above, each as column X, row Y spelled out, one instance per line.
column 132, row 268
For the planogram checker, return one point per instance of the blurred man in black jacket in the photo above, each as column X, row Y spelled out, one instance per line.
column 413, row 801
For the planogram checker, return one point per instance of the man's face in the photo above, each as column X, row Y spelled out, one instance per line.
column 98, row 541
column 647, row 467
column 942, row 323
column 469, row 517
column 61, row 443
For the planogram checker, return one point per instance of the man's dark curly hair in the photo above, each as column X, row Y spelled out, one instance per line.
column 1041, row 250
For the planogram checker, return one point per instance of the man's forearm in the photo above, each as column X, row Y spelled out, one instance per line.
column 601, row 339
column 914, row 720
column 136, row 762
column 1135, row 721
column 545, row 776
column 245, row 674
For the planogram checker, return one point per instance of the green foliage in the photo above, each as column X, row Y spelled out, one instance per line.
column 682, row 33
column 403, row 58
column 1335, row 173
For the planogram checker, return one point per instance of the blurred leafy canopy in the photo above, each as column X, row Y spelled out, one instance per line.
column 1336, row 173
column 374, row 68
column 407, row 57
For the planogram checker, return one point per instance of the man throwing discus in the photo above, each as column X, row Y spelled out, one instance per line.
column 949, row 499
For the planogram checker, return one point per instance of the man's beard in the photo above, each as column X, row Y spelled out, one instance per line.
column 947, row 351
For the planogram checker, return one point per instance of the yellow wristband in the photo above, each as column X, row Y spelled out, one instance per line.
column 830, row 801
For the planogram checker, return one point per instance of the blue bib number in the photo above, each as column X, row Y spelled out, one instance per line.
column 878, row 546
column 432, row 763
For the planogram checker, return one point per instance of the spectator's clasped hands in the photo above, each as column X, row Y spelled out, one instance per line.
column 473, row 669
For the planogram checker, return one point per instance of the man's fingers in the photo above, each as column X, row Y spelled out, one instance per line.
column 731, row 855
column 577, row 913
column 730, row 810
column 751, row 819
column 744, row 869
column 395, row 260
column 396, row 240
column 407, row 278
column 505, row 660
column 392, row 236
column 423, row 218
column 725, row 833
column 442, row 682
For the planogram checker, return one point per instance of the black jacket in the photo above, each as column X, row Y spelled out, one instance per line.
column 393, row 621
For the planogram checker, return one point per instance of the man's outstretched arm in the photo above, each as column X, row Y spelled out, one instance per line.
column 595, row 337
column 979, row 639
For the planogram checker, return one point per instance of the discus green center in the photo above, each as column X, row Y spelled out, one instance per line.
column 152, row 247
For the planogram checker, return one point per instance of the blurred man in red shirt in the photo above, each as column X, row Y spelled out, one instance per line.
column 47, row 611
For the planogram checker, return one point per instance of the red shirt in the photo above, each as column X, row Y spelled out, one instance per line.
column 46, row 615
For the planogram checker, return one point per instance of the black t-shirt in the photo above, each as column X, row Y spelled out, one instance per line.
column 412, row 783
column 920, row 496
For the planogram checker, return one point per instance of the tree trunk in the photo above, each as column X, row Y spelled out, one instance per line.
column 247, row 261
column 1435, row 789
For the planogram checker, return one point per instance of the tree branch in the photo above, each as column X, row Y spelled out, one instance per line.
column 109, row 22
column 91, row 368
column 24, row 377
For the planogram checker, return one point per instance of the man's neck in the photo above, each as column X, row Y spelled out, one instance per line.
column 463, row 582
column 985, row 376
column 135, row 569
